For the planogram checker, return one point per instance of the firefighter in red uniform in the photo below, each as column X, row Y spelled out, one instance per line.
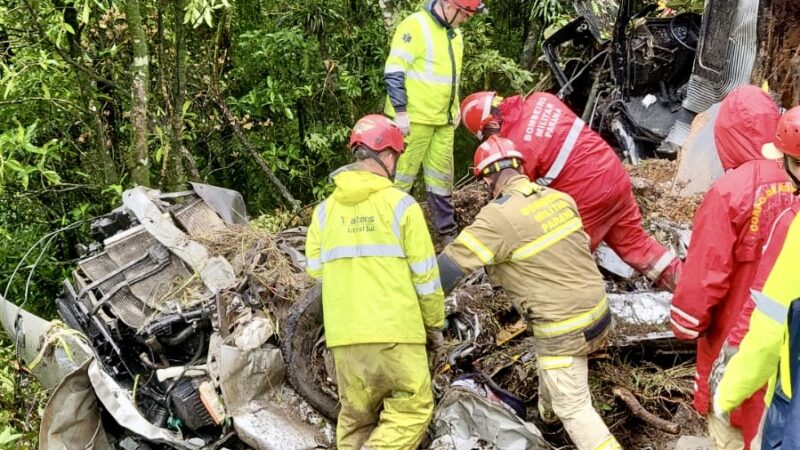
column 563, row 153
column 730, row 229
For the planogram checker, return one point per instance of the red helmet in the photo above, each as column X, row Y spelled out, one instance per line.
column 787, row 137
column 377, row 133
column 476, row 111
column 490, row 156
column 469, row 7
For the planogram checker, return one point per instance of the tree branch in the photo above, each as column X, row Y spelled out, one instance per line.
column 42, row 32
column 253, row 152
column 42, row 99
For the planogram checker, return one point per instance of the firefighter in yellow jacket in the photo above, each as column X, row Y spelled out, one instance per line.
column 532, row 243
column 422, row 76
column 369, row 246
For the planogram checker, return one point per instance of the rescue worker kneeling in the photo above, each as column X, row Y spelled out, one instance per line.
column 532, row 243
column 369, row 245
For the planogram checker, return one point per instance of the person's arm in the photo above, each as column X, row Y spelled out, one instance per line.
column 486, row 242
column 706, row 275
column 421, row 259
column 403, row 52
column 313, row 262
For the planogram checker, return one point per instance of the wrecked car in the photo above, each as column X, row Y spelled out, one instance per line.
column 638, row 74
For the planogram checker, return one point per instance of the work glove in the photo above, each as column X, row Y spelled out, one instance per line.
column 435, row 345
column 402, row 121
column 457, row 119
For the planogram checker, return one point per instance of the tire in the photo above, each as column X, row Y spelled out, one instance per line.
column 299, row 336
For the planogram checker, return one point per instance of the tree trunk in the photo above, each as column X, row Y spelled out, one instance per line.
column 175, row 174
column 99, row 162
column 139, row 159
column 386, row 12
column 779, row 50
column 531, row 49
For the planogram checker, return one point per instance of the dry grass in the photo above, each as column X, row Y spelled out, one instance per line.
column 256, row 255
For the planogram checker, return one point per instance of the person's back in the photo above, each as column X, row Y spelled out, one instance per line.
column 730, row 229
column 565, row 154
column 541, row 256
column 361, row 235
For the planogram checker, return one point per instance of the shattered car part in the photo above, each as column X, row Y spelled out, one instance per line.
column 465, row 420
column 699, row 164
column 631, row 82
column 187, row 355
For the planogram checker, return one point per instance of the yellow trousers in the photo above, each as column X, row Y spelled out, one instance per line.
column 564, row 394
column 432, row 147
column 386, row 397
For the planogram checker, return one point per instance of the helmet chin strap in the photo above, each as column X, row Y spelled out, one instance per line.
column 389, row 175
column 791, row 174
column 444, row 13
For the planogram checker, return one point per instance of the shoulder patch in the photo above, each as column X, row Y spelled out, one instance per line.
column 501, row 200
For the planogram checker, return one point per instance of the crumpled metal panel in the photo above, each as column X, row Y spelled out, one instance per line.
column 707, row 86
column 71, row 418
column 215, row 271
column 126, row 306
column 117, row 401
column 465, row 421
column 228, row 203
column 699, row 165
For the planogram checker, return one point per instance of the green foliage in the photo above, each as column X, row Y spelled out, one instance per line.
column 21, row 402
column 296, row 75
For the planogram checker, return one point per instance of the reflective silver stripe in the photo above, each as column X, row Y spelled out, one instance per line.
column 691, row 333
column 402, row 54
column 402, row 178
column 660, row 265
column 430, row 57
column 487, row 107
column 427, row 288
column 438, row 190
column 355, row 251
column 429, row 77
column 322, row 214
column 563, row 153
column 692, row 320
column 399, row 211
column 424, row 266
column 393, row 68
column 313, row 264
column 772, row 309
column 437, row 175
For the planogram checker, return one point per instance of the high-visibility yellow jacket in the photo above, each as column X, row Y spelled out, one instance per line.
column 423, row 69
column 369, row 245
column 764, row 352
column 532, row 243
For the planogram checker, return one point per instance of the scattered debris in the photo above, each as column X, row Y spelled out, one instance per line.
column 638, row 410
column 698, row 162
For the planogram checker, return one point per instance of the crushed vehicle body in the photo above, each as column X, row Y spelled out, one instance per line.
column 639, row 75
column 181, row 342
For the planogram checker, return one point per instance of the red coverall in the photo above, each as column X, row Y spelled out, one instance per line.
column 563, row 153
column 730, row 229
